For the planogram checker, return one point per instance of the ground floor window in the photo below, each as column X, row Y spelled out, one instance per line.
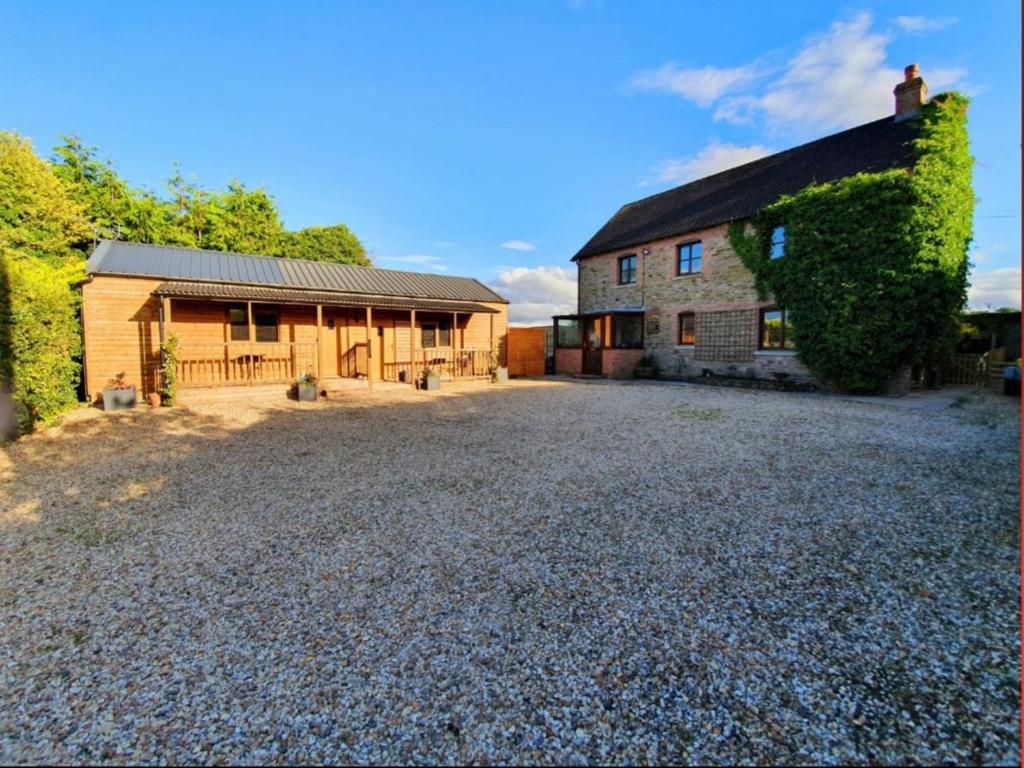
column 687, row 328
column 627, row 331
column 567, row 332
column 437, row 334
column 776, row 330
column 265, row 321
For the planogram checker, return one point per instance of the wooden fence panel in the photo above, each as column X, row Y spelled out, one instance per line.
column 526, row 351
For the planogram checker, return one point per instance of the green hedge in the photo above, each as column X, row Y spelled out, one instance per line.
column 39, row 337
column 875, row 266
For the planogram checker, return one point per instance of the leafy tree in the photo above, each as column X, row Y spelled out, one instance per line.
column 191, row 213
column 107, row 198
column 336, row 244
column 37, row 216
column 244, row 221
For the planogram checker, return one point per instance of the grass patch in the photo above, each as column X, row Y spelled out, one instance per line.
column 690, row 413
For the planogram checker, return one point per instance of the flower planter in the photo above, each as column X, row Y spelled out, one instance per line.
column 645, row 372
column 431, row 381
column 499, row 375
column 120, row 399
column 307, row 393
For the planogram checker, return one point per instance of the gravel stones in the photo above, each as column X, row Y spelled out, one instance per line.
column 533, row 572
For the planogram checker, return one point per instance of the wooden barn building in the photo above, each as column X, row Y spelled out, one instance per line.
column 244, row 320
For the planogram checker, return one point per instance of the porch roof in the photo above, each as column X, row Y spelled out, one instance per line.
column 225, row 292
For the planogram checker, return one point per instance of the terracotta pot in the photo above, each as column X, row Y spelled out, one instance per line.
column 154, row 399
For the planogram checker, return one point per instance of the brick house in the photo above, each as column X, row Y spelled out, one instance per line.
column 661, row 278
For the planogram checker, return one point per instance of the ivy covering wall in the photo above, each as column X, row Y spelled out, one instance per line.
column 875, row 265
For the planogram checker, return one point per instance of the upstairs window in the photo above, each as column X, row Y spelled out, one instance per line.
column 687, row 328
column 778, row 242
column 776, row 330
column 689, row 259
column 627, row 269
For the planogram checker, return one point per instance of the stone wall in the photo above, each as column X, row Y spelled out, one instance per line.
column 722, row 296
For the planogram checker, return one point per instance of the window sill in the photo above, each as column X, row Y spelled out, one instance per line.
column 686, row 347
column 776, row 352
column 626, row 285
column 686, row 274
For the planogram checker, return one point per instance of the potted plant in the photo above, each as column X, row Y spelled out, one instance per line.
column 646, row 368
column 153, row 398
column 306, row 387
column 118, row 395
column 498, row 372
column 431, row 379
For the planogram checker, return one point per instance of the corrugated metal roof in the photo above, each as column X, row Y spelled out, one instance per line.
column 233, row 292
column 743, row 191
column 113, row 257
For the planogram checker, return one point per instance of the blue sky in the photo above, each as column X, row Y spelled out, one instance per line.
column 493, row 139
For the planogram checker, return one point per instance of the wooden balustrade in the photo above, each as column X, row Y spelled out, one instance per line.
column 202, row 365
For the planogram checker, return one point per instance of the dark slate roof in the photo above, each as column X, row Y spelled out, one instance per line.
column 114, row 257
column 232, row 292
column 741, row 192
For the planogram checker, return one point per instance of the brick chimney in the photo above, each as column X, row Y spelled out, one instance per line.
column 911, row 94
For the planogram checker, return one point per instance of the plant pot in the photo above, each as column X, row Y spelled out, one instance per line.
column 118, row 399
column 307, row 393
column 153, row 398
column 644, row 372
column 499, row 375
column 431, row 381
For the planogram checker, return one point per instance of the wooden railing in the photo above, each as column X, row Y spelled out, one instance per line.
column 449, row 364
column 243, row 363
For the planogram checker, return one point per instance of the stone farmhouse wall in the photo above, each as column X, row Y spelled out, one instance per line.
column 722, row 297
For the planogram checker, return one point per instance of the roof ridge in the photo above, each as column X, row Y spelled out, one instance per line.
column 751, row 163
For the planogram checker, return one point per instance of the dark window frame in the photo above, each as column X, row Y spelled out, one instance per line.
column 779, row 231
column 633, row 270
column 239, row 331
column 785, row 326
column 616, row 319
column 680, row 272
column 433, row 327
column 693, row 330
column 579, row 332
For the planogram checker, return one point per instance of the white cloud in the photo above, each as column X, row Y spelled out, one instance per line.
column 716, row 156
column 436, row 263
column 537, row 293
column 702, row 86
column 994, row 288
column 918, row 25
column 836, row 79
column 518, row 245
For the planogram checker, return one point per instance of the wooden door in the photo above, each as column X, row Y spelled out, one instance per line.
column 592, row 344
column 377, row 352
column 330, row 335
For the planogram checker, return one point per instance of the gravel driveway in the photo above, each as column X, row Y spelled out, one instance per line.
column 556, row 572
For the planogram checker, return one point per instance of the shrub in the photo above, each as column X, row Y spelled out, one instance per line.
column 169, row 370
column 39, row 337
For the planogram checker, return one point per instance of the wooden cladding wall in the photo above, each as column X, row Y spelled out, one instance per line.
column 121, row 332
column 120, row 326
column 526, row 351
